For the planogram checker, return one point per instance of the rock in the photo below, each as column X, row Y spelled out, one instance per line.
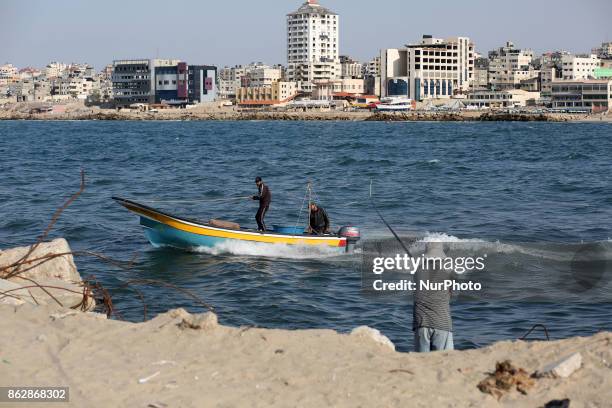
column 185, row 320
column 61, row 268
column 58, row 276
column 204, row 321
column 14, row 295
column 21, row 291
column 373, row 334
column 562, row 368
column 68, row 294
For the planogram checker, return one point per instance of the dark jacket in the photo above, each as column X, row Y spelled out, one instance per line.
column 319, row 221
column 264, row 196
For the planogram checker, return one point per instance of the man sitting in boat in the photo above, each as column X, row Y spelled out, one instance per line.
column 319, row 221
column 264, row 197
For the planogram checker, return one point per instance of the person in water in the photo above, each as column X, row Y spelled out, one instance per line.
column 319, row 221
column 264, row 197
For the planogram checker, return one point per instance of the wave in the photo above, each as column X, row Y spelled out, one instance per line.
column 270, row 251
column 550, row 251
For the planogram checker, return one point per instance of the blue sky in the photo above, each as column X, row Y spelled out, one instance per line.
column 35, row 32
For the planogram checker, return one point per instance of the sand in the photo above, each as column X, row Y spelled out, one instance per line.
column 103, row 360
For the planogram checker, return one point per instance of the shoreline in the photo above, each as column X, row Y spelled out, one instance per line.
column 358, row 116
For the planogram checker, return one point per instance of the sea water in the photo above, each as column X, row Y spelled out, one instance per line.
column 526, row 191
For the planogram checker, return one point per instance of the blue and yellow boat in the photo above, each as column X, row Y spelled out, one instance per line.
column 163, row 229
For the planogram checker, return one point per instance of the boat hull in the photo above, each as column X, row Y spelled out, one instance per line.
column 160, row 235
column 162, row 229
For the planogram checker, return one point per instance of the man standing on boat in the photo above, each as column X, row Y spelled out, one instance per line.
column 264, row 197
column 319, row 221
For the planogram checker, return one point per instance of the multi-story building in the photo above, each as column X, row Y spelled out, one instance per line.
column 170, row 81
column 107, row 72
column 551, row 68
column 76, row 87
column 227, row 88
column 508, row 66
column 371, row 74
column 584, row 95
column 29, row 73
column 182, row 84
column 313, row 45
column 481, row 74
column 278, row 92
column 579, row 67
column 255, row 74
column 262, row 76
column 349, row 68
column 548, row 74
column 8, row 74
column 372, row 67
column 434, row 68
column 510, row 98
column 327, row 89
column 132, row 82
column 55, row 69
column 603, row 52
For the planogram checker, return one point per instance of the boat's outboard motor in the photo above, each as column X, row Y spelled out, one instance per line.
column 352, row 236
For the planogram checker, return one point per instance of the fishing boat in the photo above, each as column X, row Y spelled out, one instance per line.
column 166, row 230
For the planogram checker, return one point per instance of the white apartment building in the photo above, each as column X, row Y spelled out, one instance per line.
column 55, row 69
column 576, row 68
column 312, row 45
column 349, row 68
column 508, row 66
column 77, row 87
column 434, row 68
column 8, row 74
column 264, row 76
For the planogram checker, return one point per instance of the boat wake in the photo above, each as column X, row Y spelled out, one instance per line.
column 549, row 251
column 270, row 251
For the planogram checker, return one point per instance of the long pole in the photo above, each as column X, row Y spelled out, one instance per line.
column 385, row 222
column 309, row 202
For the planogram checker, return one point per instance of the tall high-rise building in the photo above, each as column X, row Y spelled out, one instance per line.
column 313, row 46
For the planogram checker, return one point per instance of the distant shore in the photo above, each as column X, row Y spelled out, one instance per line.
column 219, row 113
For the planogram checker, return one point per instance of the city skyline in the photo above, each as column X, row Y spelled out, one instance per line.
column 73, row 31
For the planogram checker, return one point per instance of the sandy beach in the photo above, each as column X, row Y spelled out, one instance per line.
column 178, row 360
